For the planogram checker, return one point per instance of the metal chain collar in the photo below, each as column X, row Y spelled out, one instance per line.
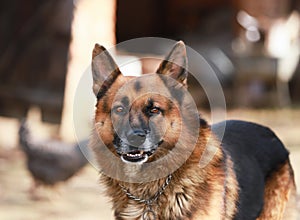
column 148, row 212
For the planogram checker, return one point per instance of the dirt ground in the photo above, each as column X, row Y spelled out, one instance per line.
column 82, row 197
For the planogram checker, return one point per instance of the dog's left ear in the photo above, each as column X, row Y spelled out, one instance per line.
column 175, row 64
column 104, row 69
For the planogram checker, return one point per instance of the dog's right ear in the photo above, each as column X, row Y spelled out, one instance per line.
column 104, row 69
column 175, row 64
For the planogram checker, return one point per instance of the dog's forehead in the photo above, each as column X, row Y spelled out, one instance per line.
column 146, row 81
column 155, row 87
column 143, row 85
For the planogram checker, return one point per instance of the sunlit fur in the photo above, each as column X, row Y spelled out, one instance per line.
column 195, row 192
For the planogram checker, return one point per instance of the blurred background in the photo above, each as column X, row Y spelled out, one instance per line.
column 45, row 46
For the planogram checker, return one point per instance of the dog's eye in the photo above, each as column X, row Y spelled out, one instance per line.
column 155, row 110
column 119, row 109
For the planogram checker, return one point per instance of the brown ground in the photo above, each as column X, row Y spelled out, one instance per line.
column 82, row 197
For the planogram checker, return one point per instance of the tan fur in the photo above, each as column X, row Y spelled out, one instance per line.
column 205, row 186
column 190, row 188
column 280, row 199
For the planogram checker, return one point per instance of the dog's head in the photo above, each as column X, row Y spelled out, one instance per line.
column 140, row 118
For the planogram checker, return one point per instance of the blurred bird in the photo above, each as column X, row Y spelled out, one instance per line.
column 50, row 161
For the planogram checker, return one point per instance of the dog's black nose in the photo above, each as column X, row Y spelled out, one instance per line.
column 136, row 137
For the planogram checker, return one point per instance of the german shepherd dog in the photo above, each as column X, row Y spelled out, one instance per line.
column 150, row 144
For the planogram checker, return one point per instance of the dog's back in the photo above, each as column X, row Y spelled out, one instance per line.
column 260, row 163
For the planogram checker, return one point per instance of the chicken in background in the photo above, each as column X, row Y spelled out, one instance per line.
column 50, row 161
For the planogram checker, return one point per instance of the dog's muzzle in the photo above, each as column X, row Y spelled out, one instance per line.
column 137, row 147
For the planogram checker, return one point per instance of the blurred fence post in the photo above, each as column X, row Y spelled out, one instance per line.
column 94, row 22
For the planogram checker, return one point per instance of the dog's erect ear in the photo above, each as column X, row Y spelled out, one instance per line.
column 104, row 70
column 175, row 63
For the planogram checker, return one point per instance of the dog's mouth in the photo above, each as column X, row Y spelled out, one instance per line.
column 136, row 156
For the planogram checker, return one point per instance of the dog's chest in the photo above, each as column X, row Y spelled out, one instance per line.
column 173, row 208
column 132, row 211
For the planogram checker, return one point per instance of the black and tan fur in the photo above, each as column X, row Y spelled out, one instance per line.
column 249, row 176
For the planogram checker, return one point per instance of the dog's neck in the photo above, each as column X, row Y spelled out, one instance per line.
column 193, row 187
column 149, row 202
column 175, row 200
